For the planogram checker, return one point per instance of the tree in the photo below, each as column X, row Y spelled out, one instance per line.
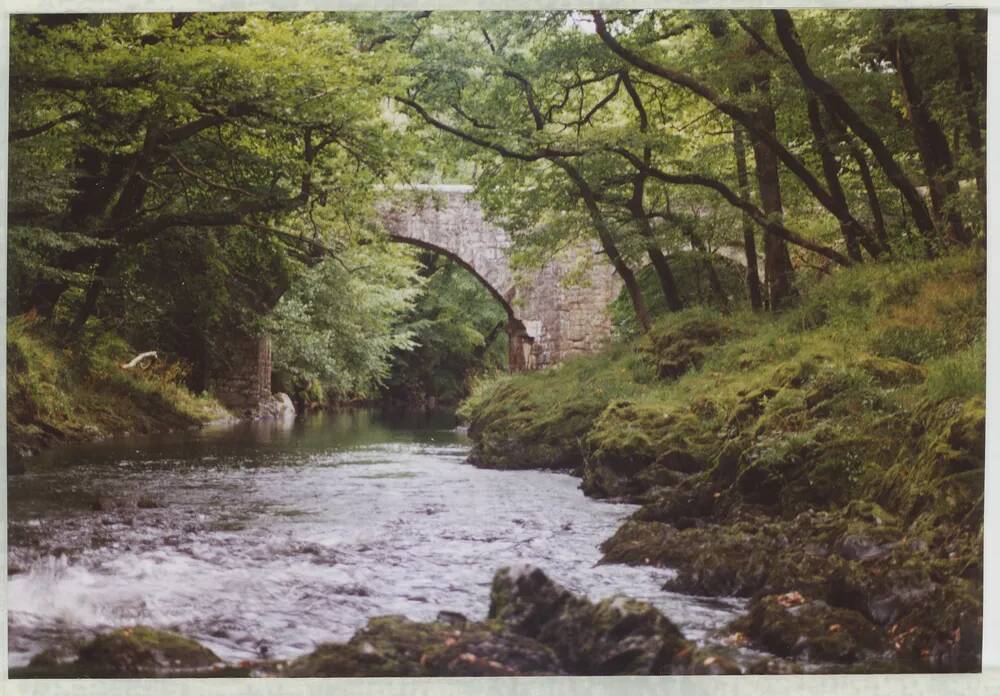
column 153, row 124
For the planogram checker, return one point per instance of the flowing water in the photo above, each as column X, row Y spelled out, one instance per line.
column 270, row 538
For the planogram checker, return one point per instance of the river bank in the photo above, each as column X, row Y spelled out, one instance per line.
column 83, row 394
column 826, row 464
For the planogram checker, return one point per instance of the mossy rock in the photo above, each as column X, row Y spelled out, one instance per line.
column 962, row 444
column 677, row 348
column 490, row 650
column 511, row 431
column 141, row 650
column 338, row 660
column 627, row 439
column 792, row 626
column 943, row 631
column 615, row 636
column 704, row 661
column 939, row 473
column 683, row 505
column 393, row 646
column 892, row 372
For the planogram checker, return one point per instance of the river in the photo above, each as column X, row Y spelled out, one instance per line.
column 269, row 538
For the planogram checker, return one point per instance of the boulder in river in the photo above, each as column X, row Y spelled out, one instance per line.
column 140, row 650
column 791, row 625
column 617, row 635
column 393, row 646
column 535, row 627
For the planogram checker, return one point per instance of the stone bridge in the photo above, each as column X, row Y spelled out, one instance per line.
column 547, row 319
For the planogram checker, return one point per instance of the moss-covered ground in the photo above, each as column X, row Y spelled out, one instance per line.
column 82, row 393
column 833, row 452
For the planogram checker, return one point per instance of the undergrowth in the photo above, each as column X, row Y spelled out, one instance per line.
column 844, row 394
column 82, row 392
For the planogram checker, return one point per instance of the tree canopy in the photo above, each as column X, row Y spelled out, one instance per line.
column 175, row 175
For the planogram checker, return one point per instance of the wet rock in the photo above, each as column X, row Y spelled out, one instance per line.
column 485, row 653
column 705, row 661
column 711, row 560
column 614, row 636
column 452, row 618
column 943, row 628
column 791, row 625
column 146, row 502
column 769, row 665
column 684, row 505
column 276, row 407
column 106, row 503
column 129, row 652
column 395, row 646
column 51, row 657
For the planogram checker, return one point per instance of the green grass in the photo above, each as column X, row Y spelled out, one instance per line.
column 60, row 394
column 841, row 395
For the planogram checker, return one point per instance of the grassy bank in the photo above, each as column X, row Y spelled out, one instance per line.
column 830, row 458
column 82, row 393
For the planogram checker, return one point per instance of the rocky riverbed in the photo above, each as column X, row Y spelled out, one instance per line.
column 534, row 627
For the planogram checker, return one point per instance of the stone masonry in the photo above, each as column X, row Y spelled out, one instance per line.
column 241, row 379
column 548, row 320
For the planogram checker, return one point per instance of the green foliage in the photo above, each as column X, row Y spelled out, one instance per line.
column 450, row 325
column 58, row 394
column 338, row 328
column 959, row 375
column 184, row 169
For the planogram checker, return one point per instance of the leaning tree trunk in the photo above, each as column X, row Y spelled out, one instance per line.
column 608, row 244
column 931, row 142
column 668, row 286
column 637, row 208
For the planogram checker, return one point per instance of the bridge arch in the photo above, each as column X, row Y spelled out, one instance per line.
column 548, row 320
column 519, row 342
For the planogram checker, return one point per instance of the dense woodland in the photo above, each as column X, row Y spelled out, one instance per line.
column 794, row 203
column 178, row 178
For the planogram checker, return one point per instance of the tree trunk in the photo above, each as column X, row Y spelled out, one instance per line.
column 854, row 237
column 794, row 164
column 699, row 246
column 864, row 171
column 89, row 305
column 968, row 95
column 873, row 203
column 749, row 242
column 608, row 244
column 637, row 207
column 835, row 103
column 778, row 272
column 660, row 264
column 666, row 277
column 930, row 139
